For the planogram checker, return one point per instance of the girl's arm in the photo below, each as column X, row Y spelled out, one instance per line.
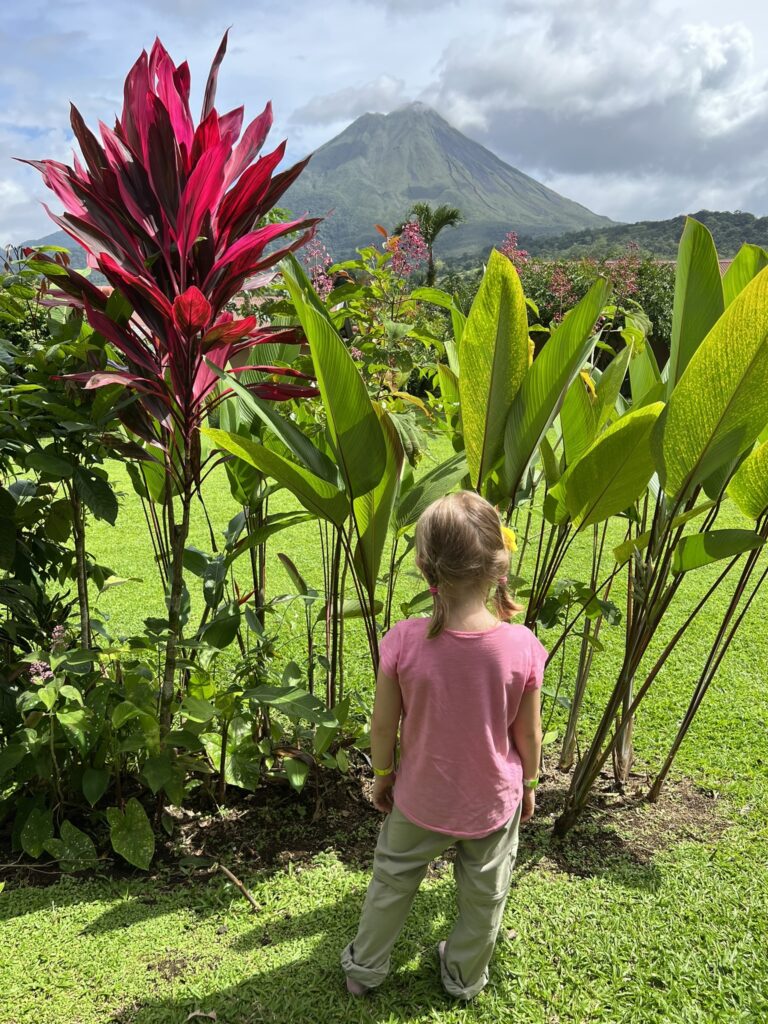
column 526, row 735
column 387, row 708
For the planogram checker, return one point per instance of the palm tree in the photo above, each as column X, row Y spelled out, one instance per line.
column 431, row 223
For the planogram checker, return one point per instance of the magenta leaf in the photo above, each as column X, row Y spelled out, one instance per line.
column 191, row 311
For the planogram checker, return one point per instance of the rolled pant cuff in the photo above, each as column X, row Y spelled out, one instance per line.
column 371, row 977
column 453, row 988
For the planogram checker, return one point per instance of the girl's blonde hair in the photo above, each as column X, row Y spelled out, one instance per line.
column 459, row 546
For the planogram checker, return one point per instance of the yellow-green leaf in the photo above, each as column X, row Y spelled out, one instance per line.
column 698, row 297
column 615, row 471
column 720, row 404
column 493, row 360
column 749, row 486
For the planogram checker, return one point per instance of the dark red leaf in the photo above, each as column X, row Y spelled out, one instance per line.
column 229, row 331
column 89, row 145
column 201, row 196
column 209, row 99
column 237, row 213
column 249, row 146
column 191, row 311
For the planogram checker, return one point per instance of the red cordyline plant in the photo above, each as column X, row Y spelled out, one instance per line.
column 172, row 213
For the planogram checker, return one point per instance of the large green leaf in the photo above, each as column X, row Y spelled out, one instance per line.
column 699, row 299
column 75, row 851
column 37, row 831
column 294, row 702
column 96, row 494
column 433, row 485
column 275, row 523
column 546, row 383
column 352, row 420
column 493, row 361
column 610, row 384
column 297, row 442
column 95, row 782
column 614, row 472
column 131, row 834
column 372, row 511
column 702, row 549
column 749, row 485
column 644, row 375
column 720, row 404
column 579, row 418
column 458, row 320
column 314, row 493
column 750, row 260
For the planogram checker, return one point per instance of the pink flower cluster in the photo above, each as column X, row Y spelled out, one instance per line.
column 39, row 672
column 409, row 250
column 508, row 248
column 623, row 272
column 317, row 260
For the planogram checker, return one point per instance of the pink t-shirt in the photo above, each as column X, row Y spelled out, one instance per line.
column 459, row 771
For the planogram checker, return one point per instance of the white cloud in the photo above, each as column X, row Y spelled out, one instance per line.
column 379, row 96
column 635, row 110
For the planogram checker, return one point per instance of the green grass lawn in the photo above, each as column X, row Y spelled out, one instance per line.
column 591, row 936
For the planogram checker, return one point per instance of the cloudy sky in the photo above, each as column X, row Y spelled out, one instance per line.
column 636, row 109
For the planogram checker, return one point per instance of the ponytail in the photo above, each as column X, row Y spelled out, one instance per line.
column 505, row 606
column 437, row 625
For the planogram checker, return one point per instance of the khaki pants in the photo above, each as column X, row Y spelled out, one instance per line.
column 483, row 869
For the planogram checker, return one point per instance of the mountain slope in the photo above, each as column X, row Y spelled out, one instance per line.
column 660, row 237
column 381, row 164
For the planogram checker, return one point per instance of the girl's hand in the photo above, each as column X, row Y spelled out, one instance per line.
column 382, row 792
column 529, row 805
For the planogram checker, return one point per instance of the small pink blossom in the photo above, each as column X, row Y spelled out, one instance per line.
column 508, row 248
column 409, row 250
column 317, row 260
column 561, row 286
column 58, row 639
column 39, row 672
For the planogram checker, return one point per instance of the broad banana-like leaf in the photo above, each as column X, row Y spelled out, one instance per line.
column 352, row 421
column 550, row 462
column 702, row 549
column 297, row 442
column 720, row 404
column 610, row 384
column 493, row 362
column 314, row 493
column 579, row 419
column 750, row 260
column 544, row 387
column 433, row 485
column 718, row 481
column 275, row 524
column 644, row 376
column 749, row 485
column 458, row 320
column 699, row 299
column 373, row 511
column 614, row 472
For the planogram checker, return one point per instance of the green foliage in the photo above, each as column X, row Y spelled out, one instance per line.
column 493, row 362
column 659, row 237
column 720, row 403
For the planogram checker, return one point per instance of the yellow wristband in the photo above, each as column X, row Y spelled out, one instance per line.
column 384, row 771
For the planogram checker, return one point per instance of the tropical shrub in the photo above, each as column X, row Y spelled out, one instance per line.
column 166, row 210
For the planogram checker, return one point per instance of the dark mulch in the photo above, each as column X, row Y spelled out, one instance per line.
column 275, row 827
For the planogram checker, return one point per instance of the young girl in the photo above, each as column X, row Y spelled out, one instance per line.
column 463, row 690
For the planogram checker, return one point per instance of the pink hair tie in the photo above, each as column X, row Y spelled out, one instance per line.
column 502, row 581
column 433, row 590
